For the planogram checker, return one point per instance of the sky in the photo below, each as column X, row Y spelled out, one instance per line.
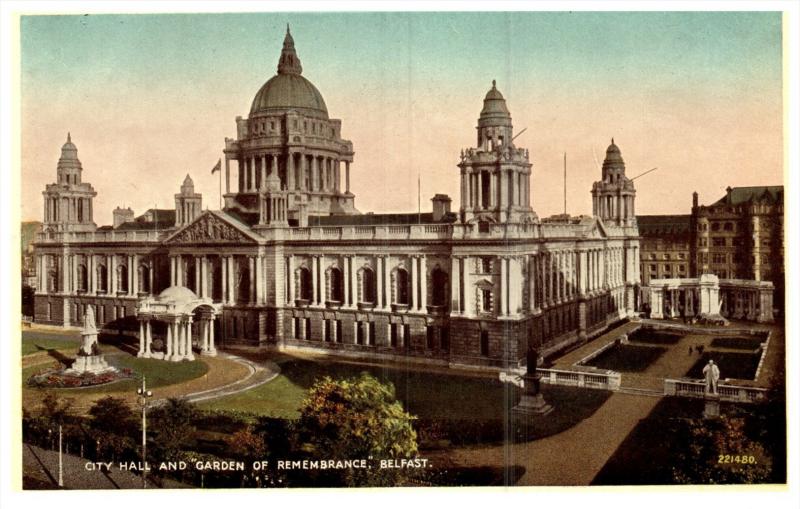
column 150, row 98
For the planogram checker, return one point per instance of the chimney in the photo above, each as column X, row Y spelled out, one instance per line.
column 441, row 206
column 694, row 199
column 122, row 216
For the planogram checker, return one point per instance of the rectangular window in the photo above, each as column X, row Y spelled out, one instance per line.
column 360, row 333
column 486, row 265
column 328, row 332
column 718, row 241
column 444, row 338
column 393, row 338
column 338, row 331
column 485, row 343
column 406, row 335
column 486, row 301
column 308, row 329
column 296, row 331
column 371, row 338
column 431, row 337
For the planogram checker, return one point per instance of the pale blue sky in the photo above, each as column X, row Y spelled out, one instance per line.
column 697, row 94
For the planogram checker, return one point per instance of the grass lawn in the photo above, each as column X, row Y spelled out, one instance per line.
column 454, row 408
column 649, row 335
column 738, row 343
column 737, row 365
column 37, row 341
column 630, row 358
column 158, row 375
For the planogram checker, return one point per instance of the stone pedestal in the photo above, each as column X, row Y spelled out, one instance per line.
column 712, row 406
column 532, row 401
column 94, row 364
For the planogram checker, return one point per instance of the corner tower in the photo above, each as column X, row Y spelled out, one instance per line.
column 289, row 134
column 188, row 204
column 68, row 202
column 495, row 175
column 613, row 197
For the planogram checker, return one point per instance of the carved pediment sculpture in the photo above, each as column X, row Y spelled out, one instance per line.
column 209, row 228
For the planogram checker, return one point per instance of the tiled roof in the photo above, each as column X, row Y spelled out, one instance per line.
column 656, row 226
column 163, row 218
column 739, row 195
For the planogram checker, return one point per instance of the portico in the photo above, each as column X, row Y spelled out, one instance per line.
column 179, row 308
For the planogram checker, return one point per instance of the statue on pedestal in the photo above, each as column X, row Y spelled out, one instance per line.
column 711, row 374
column 532, row 401
column 89, row 359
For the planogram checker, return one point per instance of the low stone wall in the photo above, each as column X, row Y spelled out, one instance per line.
column 582, row 377
column 694, row 389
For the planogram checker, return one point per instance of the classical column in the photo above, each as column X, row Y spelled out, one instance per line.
column 290, row 171
column 148, row 341
column 251, row 293
column 337, row 176
column 455, row 286
column 290, row 278
column 140, row 353
column 259, row 261
column 532, row 283
column 223, row 265
column 414, row 304
column 91, row 274
column 197, row 277
column 314, row 281
column 469, row 290
column 505, row 293
column 188, row 352
column 387, row 284
column 231, row 285
column 423, row 283
column 347, row 176
column 314, row 173
column 274, row 167
column 170, row 340
column 212, row 350
column 134, row 271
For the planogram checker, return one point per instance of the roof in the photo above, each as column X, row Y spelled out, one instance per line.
column 162, row 219
column 660, row 225
column 739, row 195
column 379, row 219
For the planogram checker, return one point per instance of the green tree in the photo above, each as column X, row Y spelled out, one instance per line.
column 705, row 442
column 113, row 426
column 247, row 444
column 173, row 428
column 356, row 418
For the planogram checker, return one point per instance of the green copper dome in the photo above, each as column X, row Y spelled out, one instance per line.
column 289, row 89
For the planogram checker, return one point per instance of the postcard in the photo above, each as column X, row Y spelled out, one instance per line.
column 371, row 249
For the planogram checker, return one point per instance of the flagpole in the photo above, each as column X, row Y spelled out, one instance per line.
column 419, row 202
column 220, row 189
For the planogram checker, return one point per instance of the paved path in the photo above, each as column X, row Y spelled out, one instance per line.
column 570, row 458
column 42, row 465
column 259, row 374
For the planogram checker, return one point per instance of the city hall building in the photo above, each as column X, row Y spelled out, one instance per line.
column 290, row 263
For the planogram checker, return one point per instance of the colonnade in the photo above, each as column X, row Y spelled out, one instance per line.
column 203, row 283
column 298, row 171
column 178, row 341
column 67, row 209
column 505, row 187
column 69, row 279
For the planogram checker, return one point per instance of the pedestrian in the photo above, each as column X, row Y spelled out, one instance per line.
column 690, row 350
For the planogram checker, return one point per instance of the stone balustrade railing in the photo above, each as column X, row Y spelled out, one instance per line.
column 697, row 389
column 596, row 379
column 102, row 236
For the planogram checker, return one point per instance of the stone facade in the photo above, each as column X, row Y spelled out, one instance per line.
column 289, row 263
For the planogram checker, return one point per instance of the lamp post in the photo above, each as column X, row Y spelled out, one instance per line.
column 144, row 394
column 60, row 460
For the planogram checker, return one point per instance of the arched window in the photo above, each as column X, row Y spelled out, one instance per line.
column 367, row 285
column 83, row 280
column 305, row 283
column 440, row 290
column 102, row 278
column 144, row 279
column 402, row 292
column 122, row 278
column 335, row 285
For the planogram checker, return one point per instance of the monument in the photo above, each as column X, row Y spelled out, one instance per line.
column 711, row 374
column 89, row 359
column 532, row 401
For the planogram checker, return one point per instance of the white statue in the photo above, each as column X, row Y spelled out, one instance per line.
column 88, row 320
column 89, row 332
column 711, row 374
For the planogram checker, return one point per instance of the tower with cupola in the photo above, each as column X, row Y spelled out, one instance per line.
column 68, row 201
column 495, row 174
column 613, row 197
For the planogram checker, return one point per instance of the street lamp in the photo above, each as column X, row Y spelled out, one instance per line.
column 143, row 395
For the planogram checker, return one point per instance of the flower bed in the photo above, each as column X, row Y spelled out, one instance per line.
column 58, row 379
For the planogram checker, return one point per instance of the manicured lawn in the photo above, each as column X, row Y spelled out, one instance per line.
column 157, row 372
column 738, row 343
column 37, row 341
column 649, row 335
column 731, row 365
column 456, row 409
column 630, row 358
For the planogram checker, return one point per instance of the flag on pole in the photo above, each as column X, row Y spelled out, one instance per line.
column 217, row 167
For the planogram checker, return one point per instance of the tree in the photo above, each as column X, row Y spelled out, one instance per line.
column 356, row 418
column 172, row 425
column 113, row 426
column 247, row 444
column 705, row 444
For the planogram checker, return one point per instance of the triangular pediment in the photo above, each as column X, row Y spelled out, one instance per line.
column 598, row 230
column 213, row 228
